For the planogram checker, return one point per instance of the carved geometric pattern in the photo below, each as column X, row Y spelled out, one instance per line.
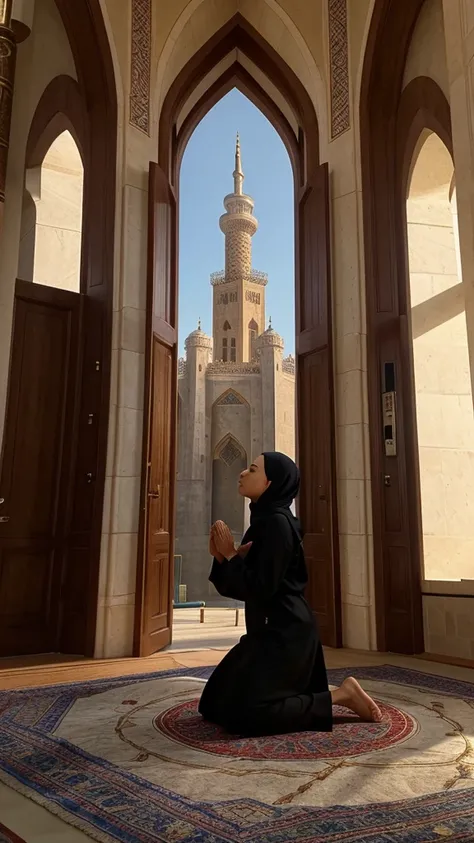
column 238, row 253
column 339, row 62
column 230, row 452
column 229, row 398
column 140, row 65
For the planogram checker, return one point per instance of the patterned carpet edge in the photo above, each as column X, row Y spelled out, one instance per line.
column 53, row 808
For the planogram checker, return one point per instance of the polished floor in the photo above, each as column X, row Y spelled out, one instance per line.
column 194, row 644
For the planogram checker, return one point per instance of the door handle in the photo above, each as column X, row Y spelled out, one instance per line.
column 4, row 519
column 155, row 493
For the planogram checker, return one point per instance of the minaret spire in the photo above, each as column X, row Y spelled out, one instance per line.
column 238, row 173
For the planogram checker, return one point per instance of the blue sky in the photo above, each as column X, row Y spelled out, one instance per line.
column 206, row 177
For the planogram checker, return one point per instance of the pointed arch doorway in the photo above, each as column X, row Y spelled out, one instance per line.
column 53, row 462
column 298, row 128
column 395, row 122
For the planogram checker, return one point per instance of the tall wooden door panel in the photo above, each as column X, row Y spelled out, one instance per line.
column 154, row 612
column 399, row 577
column 316, row 420
column 159, row 539
column 35, row 466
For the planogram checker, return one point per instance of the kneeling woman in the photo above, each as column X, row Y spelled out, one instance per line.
column 274, row 680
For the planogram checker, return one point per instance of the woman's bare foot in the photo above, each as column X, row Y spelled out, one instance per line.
column 352, row 696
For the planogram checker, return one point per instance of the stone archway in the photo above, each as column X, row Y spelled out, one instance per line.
column 313, row 284
column 391, row 121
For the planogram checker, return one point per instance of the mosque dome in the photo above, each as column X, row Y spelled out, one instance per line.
column 269, row 338
column 198, row 339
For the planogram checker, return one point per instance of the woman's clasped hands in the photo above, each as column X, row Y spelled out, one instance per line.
column 221, row 543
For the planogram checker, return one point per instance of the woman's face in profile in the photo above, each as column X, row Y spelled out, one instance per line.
column 253, row 482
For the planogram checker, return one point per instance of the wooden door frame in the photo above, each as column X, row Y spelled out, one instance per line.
column 392, row 121
column 303, row 149
column 88, row 109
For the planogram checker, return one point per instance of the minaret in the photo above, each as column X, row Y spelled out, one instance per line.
column 239, row 291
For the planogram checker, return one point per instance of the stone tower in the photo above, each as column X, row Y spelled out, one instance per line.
column 238, row 291
column 270, row 355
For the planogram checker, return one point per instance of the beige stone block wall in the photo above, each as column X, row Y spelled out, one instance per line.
column 285, row 429
column 449, row 626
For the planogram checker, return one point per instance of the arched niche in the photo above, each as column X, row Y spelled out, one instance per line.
column 201, row 21
column 229, row 460
column 51, row 236
column 295, row 120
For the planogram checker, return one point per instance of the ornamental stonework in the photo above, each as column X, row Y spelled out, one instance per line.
column 229, row 398
column 339, row 67
column 238, row 257
column 221, row 368
column 230, row 452
column 227, row 298
column 140, row 65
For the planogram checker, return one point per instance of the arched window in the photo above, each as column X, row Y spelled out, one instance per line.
column 442, row 378
column 253, row 334
column 51, row 233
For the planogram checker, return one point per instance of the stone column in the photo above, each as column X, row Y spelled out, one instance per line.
column 7, row 73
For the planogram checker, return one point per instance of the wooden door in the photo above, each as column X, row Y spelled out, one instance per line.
column 398, row 578
column 154, row 613
column 316, row 418
column 36, row 467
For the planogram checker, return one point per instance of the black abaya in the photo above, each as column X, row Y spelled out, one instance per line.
column 274, row 680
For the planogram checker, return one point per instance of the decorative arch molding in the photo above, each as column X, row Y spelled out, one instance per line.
column 239, row 35
column 308, row 69
column 423, row 106
column 231, row 397
column 61, row 108
column 391, row 122
column 229, row 450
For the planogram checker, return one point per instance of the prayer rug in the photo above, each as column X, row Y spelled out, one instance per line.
column 131, row 760
column 7, row 836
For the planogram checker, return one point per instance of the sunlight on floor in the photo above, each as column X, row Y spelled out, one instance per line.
column 219, row 630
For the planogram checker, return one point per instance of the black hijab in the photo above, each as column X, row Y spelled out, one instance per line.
column 284, row 486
